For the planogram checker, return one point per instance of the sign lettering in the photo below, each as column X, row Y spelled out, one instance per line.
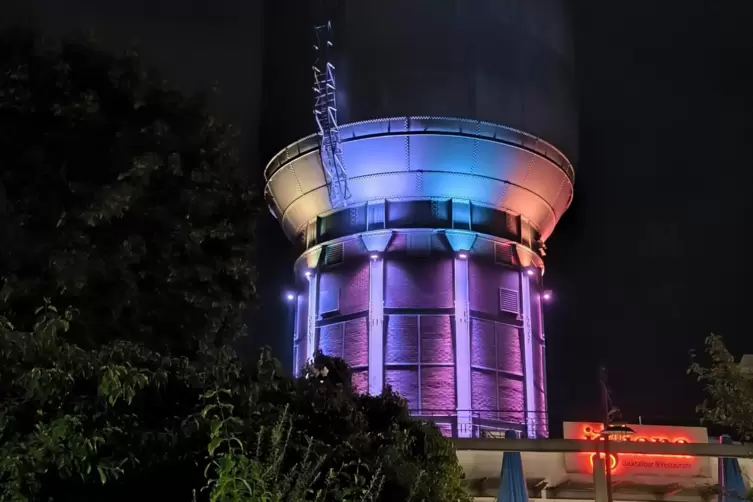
column 626, row 464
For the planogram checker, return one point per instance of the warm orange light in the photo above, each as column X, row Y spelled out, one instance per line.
column 612, row 460
column 590, row 433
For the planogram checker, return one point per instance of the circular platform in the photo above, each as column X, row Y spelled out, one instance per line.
column 426, row 158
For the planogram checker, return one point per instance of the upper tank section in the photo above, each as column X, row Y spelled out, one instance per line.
column 507, row 62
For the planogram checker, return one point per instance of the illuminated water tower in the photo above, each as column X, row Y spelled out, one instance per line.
column 436, row 171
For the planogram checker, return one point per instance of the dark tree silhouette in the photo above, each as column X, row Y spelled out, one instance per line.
column 120, row 197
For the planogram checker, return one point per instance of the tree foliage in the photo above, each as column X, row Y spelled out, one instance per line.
column 120, row 197
column 728, row 388
column 123, row 421
column 125, row 200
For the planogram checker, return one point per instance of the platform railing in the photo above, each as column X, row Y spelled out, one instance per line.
column 486, row 423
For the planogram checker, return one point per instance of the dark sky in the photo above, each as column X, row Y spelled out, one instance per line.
column 650, row 258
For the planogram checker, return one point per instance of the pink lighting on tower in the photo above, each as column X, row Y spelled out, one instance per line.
column 386, row 208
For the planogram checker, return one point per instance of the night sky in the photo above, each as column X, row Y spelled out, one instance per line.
column 650, row 258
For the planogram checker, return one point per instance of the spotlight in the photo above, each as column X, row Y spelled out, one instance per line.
column 290, row 296
column 530, row 271
column 374, row 256
column 547, row 295
column 307, row 274
column 462, row 256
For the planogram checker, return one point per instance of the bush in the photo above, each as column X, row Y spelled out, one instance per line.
column 123, row 421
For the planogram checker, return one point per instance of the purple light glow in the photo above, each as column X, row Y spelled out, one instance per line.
column 375, row 380
column 530, row 386
column 463, row 350
column 290, row 297
column 448, row 364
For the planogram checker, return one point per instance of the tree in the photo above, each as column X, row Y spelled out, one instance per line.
column 728, row 388
column 119, row 197
column 122, row 421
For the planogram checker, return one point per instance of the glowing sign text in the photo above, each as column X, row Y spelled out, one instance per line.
column 590, row 433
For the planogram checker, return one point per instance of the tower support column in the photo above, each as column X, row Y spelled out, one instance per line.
column 313, row 299
column 376, row 325
column 462, row 349
column 531, row 411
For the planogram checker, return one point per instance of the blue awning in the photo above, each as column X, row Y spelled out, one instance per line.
column 731, row 482
column 512, row 484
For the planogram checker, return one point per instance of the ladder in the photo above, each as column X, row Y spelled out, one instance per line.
column 325, row 114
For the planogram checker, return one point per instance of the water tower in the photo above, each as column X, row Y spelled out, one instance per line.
column 436, row 169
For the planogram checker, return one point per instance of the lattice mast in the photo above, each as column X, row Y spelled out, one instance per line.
column 325, row 114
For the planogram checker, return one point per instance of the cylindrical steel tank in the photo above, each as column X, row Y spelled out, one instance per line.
column 459, row 117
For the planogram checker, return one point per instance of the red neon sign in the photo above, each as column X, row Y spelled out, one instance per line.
column 590, row 433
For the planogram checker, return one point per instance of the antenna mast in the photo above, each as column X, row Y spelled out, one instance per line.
column 325, row 114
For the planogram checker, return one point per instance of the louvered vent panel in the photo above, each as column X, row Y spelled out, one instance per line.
column 509, row 301
column 419, row 245
column 334, row 254
column 502, row 253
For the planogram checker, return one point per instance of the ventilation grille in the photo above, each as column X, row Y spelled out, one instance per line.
column 419, row 245
column 502, row 253
column 436, row 209
column 508, row 301
column 334, row 254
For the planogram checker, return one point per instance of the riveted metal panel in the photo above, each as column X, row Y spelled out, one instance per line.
column 517, row 178
column 442, row 153
column 362, row 154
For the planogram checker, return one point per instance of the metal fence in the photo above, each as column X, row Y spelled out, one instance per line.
column 486, row 423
